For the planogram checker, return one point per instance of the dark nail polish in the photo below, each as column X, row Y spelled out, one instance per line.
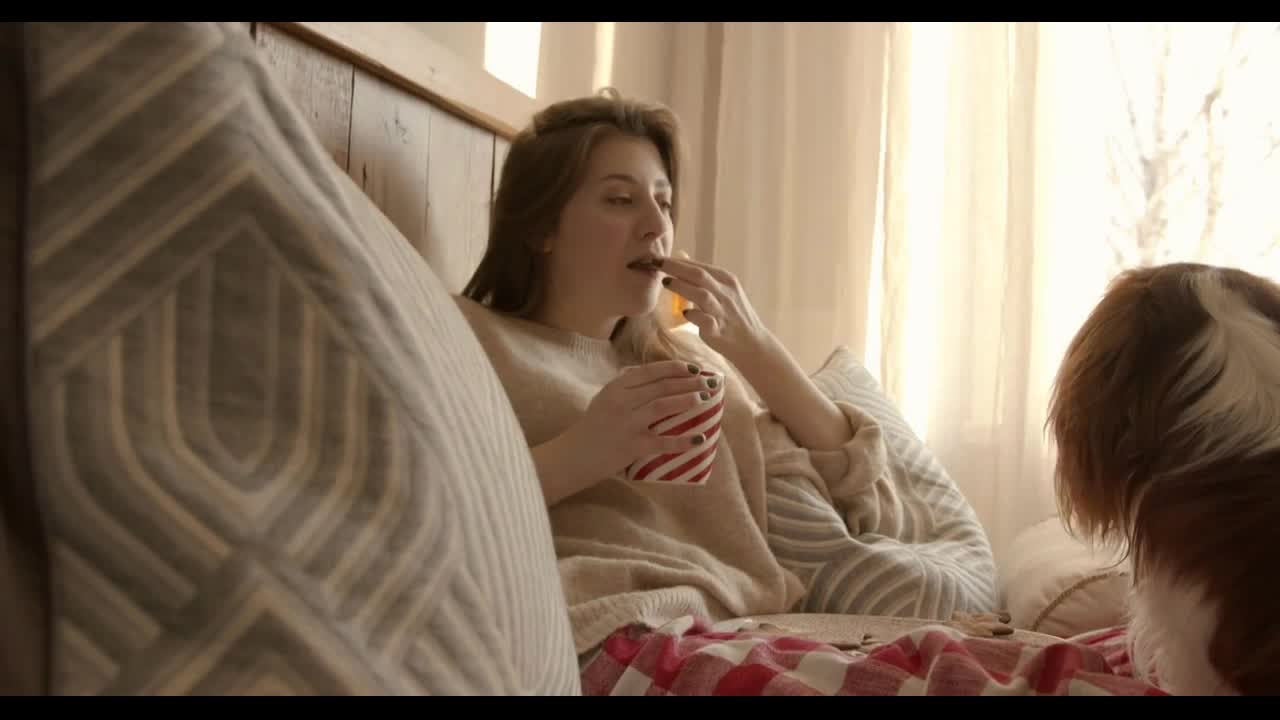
column 704, row 395
column 657, row 262
column 697, row 439
column 685, row 312
column 712, row 382
column 666, row 281
column 693, row 369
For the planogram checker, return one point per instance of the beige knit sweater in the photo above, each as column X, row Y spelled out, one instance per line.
column 644, row 553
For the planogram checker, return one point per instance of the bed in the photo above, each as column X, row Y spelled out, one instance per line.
column 251, row 446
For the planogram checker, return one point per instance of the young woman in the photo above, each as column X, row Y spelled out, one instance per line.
column 565, row 303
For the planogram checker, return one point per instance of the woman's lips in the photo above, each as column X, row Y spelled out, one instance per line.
column 645, row 266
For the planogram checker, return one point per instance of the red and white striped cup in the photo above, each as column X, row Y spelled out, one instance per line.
column 693, row 466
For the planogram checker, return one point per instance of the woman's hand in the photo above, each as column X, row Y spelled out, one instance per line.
column 729, row 325
column 725, row 319
column 614, row 432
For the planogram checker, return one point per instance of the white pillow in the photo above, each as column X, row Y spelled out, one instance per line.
column 1055, row 584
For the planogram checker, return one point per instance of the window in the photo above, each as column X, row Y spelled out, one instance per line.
column 1192, row 129
column 511, row 51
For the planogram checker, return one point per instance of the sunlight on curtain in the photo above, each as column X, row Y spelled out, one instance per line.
column 603, row 72
column 992, row 246
column 875, row 286
column 923, row 237
column 1072, row 270
column 511, row 52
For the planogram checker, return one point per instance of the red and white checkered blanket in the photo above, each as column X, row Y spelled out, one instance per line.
column 690, row 657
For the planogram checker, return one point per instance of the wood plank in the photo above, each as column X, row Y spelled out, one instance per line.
column 501, row 146
column 459, row 182
column 390, row 132
column 319, row 83
column 405, row 56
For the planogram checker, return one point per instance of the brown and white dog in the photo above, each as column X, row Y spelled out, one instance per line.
column 1166, row 415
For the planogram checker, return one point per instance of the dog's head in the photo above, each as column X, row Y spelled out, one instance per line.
column 1166, row 417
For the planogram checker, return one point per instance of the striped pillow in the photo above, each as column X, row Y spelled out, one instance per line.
column 928, row 559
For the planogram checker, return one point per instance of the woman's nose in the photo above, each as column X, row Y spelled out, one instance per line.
column 654, row 222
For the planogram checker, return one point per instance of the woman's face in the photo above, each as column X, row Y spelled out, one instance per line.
column 618, row 219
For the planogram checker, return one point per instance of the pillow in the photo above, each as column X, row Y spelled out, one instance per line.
column 1053, row 583
column 931, row 560
column 271, row 456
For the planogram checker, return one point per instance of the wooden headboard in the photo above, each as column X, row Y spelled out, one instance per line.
column 420, row 131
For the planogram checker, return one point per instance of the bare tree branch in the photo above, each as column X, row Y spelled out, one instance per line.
column 1214, row 93
column 1154, row 222
column 1124, row 89
column 1115, row 150
column 1123, row 183
column 1161, row 160
column 1174, row 166
column 1122, row 227
column 1213, row 192
column 1120, row 251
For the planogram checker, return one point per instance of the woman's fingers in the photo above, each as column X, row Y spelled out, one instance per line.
column 655, row 444
column 635, row 376
column 704, row 321
column 670, row 387
column 665, row 407
column 698, row 295
column 694, row 271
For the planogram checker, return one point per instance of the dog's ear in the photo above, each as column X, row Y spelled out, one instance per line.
column 1109, row 411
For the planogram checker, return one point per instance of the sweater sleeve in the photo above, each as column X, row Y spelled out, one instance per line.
column 856, row 478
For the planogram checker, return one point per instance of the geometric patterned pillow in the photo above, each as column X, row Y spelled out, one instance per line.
column 915, row 549
column 271, row 456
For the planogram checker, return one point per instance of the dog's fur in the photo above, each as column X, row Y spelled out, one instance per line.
column 1166, row 416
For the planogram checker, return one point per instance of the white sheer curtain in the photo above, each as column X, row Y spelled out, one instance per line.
column 927, row 194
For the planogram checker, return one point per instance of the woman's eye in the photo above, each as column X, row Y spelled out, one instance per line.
column 619, row 200
column 666, row 205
